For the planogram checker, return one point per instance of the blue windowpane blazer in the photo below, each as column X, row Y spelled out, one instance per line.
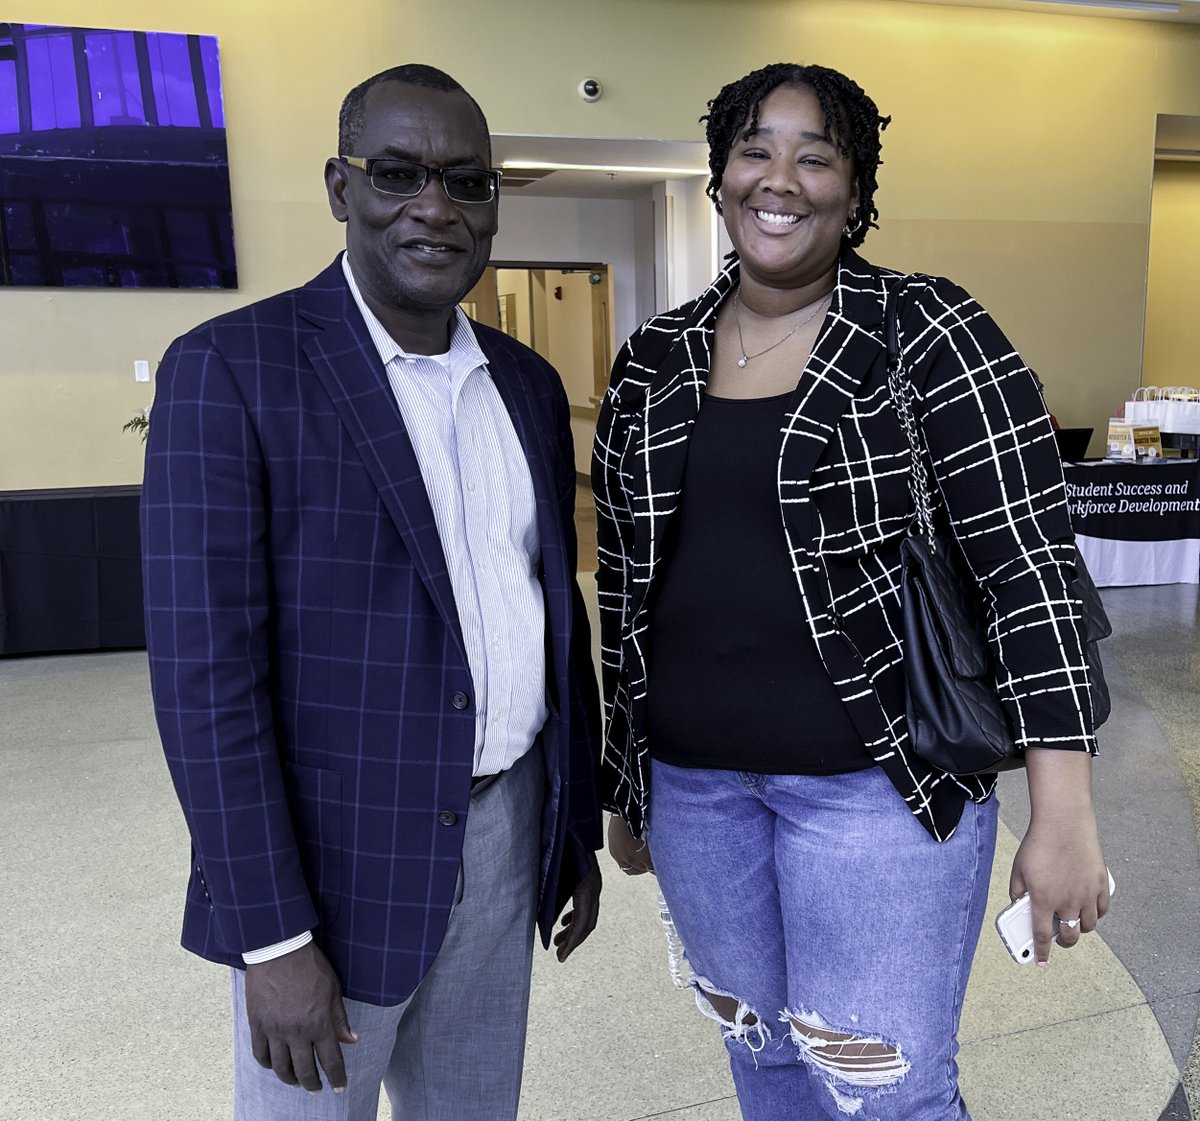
column 306, row 660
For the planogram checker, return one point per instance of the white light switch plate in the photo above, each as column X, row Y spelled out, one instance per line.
column 141, row 370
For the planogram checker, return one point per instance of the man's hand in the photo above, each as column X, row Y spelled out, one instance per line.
column 294, row 1005
column 580, row 921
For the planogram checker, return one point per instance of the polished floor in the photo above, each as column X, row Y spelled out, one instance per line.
column 104, row 1017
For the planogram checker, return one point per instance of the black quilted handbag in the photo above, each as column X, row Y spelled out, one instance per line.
column 955, row 718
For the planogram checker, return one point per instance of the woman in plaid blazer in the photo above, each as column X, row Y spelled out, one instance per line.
column 751, row 483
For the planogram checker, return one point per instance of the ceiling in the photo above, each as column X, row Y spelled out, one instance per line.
column 1177, row 137
column 597, row 167
column 1189, row 10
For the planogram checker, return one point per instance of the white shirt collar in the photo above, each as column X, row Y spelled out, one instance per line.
column 464, row 353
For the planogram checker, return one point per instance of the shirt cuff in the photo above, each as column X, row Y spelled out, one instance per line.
column 267, row 953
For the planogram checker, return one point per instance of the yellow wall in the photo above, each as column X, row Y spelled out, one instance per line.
column 1173, row 300
column 66, row 363
column 1019, row 163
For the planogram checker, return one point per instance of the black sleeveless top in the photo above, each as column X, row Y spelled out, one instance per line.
column 735, row 680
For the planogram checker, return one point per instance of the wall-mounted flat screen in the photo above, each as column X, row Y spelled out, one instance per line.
column 113, row 167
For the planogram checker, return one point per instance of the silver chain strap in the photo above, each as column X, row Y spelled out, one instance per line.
column 901, row 390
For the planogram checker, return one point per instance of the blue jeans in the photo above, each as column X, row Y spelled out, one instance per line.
column 835, row 933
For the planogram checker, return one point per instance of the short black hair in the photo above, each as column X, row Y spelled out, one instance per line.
column 350, row 119
column 852, row 123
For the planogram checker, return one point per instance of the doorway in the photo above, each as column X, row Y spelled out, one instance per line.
column 564, row 312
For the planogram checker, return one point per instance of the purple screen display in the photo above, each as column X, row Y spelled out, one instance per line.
column 114, row 171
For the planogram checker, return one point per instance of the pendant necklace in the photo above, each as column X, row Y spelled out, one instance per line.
column 737, row 319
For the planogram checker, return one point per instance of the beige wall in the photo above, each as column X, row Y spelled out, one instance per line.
column 1173, row 299
column 1019, row 162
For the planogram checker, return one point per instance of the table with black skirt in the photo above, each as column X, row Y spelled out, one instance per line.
column 70, row 570
column 1137, row 523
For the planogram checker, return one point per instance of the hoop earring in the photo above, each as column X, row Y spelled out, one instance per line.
column 854, row 223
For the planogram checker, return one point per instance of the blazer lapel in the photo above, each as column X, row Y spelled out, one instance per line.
column 345, row 360
column 849, row 343
column 658, row 456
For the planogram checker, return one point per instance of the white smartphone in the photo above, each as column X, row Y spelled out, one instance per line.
column 1015, row 926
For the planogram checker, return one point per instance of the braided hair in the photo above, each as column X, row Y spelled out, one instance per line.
column 852, row 124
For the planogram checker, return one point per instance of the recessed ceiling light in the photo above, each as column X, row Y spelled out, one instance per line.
column 530, row 165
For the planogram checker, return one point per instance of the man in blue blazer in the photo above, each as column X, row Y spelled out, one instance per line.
column 369, row 656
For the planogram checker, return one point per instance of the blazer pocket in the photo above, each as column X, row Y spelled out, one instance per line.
column 316, row 804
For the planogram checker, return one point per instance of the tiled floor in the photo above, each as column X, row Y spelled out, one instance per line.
column 104, row 1017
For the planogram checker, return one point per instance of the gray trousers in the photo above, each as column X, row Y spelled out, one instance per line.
column 454, row 1050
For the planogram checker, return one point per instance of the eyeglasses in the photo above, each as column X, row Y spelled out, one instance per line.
column 405, row 179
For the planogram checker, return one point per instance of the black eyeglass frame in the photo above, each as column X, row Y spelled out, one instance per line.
column 366, row 164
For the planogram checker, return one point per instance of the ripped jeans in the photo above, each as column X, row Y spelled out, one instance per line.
column 834, row 934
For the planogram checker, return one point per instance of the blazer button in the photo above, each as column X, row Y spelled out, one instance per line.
column 837, row 621
column 447, row 817
column 460, row 700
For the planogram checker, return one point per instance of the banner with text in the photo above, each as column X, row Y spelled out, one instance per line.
column 1137, row 523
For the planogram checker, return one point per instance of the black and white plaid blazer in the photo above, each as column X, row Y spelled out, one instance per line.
column 846, row 505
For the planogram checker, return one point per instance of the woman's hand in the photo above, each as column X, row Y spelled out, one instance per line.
column 1059, row 862
column 632, row 856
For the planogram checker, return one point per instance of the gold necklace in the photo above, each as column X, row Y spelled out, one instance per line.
column 737, row 319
